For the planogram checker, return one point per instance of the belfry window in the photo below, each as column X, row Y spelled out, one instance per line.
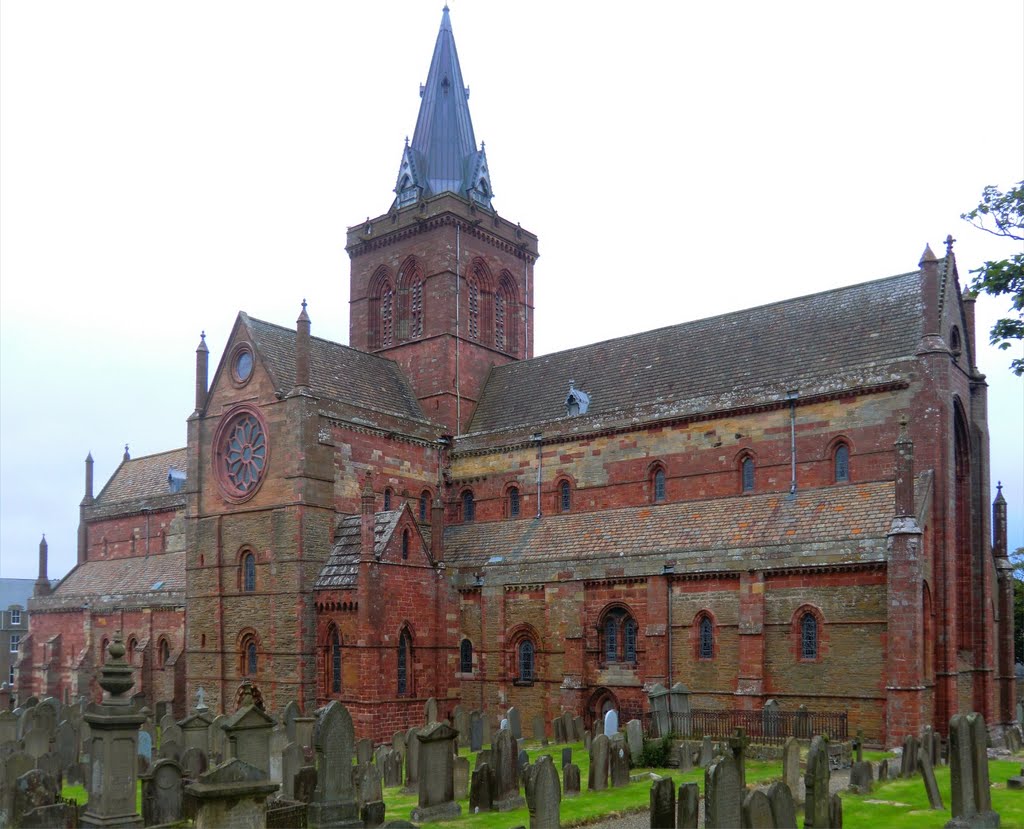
column 387, row 320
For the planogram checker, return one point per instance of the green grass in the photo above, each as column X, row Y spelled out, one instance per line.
column 81, row 796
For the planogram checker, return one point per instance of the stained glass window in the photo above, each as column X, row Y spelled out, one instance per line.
column 403, row 664
column 468, row 506
column 335, row 661
column 565, row 496
column 251, row 658
column 611, row 648
column 249, row 573
column 809, row 637
column 466, row 657
column 424, row 505
column 245, row 453
column 243, row 365
column 842, row 463
column 513, row 502
column 748, row 474
column 629, row 634
column 707, row 639
column 526, row 661
column 659, row 485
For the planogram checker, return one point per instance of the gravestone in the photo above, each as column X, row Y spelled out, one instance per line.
column 367, row 784
column 8, row 727
column 334, row 802
column 566, row 757
column 862, row 777
column 506, row 776
column 195, row 731
column 437, row 786
column 487, row 731
column 611, row 723
column 50, row 763
column 522, row 758
column 908, row 762
column 658, row 698
column 544, row 795
column 816, row 782
column 372, row 813
column 460, row 718
column 707, row 753
column 481, row 789
column 304, row 733
column 460, row 775
column 835, row 812
column 193, row 763
column 364, row 751
column 391, row 770
column 757, row 811
column 412, row 760
column 162, row 793
column 968, row 760
column 635, row 740
column 931, row 787
column 376, row 756
column 398, row 742
column 597, row 779
column 524, row 774
column 571, row 779
column 783, row 806
column 722, row 795
column 232, row 794
column 558, row 731
column 218, row 740
column 515, row 723
column 883, row 771
column 430, row 711
column 248, row 731
column 66, row 743
column 278, row 740
column 688, row 806
column 791, row 766
column 292, row 759
column 484, row 756
column 33, row 791
column 771, row 721
column 170, row 750
column 538, row 730
column 172, row 734
column 288, row 715
column 305, row 784
column 578, row 729
column 476, row 731
column 586, row 740
column 568, row 729
column 663, row 804
column 738, row 743
column 37, row 742
column 618, row 760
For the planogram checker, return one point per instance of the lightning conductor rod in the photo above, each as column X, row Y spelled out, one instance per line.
column 791, row 396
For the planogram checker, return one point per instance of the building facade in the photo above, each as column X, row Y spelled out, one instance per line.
column 788, row 502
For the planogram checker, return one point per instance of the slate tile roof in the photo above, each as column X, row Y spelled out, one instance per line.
column 124, row 576
column 342, row 565
column 337, row 372
column 15, row 592
column 144, row 477
column 836, row 524
column 822, row 343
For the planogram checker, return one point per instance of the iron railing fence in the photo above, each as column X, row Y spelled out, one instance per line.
column 770, row 727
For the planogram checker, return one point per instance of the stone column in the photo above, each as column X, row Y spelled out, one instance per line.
column 114, row 728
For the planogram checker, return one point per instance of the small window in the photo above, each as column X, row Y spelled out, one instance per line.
column 252, row 663
column 526, row 661
column 629, row 629
column 15, row 617
column 10, row 675
column 249, row 573
column 842, row 463
column 564, row 496
column 659, row 485
column 387, row 499
column 747, row 469
column 466, row 657
column 808, row 637
column 424, row 505
column 132, row 645
column 15, row 641
column 513, row 502
column 611, row 647
column 165, row 652
column 468, row 506
column 706, row 646
column 404, row 657
column 405, row 544
column 335, row 661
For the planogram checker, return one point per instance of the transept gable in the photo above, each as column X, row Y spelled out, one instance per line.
column 402, row 541
column 242, row 374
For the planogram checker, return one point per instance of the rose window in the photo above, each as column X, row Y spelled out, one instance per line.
column 244, row 453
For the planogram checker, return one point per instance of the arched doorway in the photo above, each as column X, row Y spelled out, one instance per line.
column 601, row 702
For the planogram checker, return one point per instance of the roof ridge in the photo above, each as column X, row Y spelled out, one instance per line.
column 155, row 455
column 321, row 339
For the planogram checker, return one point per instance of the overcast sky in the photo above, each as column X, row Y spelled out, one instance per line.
column 165, row 165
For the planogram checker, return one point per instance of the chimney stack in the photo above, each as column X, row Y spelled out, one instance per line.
column 904, row 472
column 202, row 372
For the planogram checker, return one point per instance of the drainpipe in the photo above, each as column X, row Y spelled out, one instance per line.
column 667, row 570
column 536, row 438
column 791, row 396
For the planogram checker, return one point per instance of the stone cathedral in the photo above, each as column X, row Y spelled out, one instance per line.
column 789, row 502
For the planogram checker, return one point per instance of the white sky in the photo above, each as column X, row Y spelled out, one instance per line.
column 164, row 165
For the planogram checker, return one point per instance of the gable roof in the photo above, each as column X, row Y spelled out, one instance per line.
column 143, row 477
column 823, row 343
column 832, row 525
column 109, row 581
column 337, row 372
column 342, row 566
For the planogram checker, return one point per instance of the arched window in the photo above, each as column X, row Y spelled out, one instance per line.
column 468, row 506
column 747, row 473
column 249, row 572
column 165, row 652
column 410, row 292
column 808, row 636
column 658, row 482
column 404, row 662
column 611, row 648
column 564, row 496
column 618, row 630
column 387, row 498
column 841, row 463
column 629, row 629
column 513, row 502
column 387, row 315
column 424, row 505
column 706, row 639
column 466, row 657
column 405, row 544
column 133, row 643
column 335, row 661
column 473, row 288
column 525, row 661
column 381, row 317
column 506, row 325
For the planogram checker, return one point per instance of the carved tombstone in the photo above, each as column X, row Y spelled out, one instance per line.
column 722, row 795
column 334, row 739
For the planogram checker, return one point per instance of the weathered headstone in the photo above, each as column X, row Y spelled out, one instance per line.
column 391, row 769
column 305, row 784
column 663, row 804
column 783, row 806
column 218, row 740
column 599, row 763
column 398, row 742
column 544, row 795
column 170, row 750
column 688, row 806
column 367, row 784
column 248, row 731
column 437, row 786
column 232, row 794
column 515, row 723
column 506, row 773
column 618, row 761
column 571, row 779
column 481, row 789
column 908, row 762
column 835, row 812
column 8, row 727
column 460, row 719
column 587, row 737
column 635, row 739
column 738, row 743
column 33, row 791
column 707, row 752
column 791, row 766
column 566, row 757
column 611, row 723
column 524, row 774
column 476, row 731
column 412, row 760
column 288, row 715
column 757, row 811
column 278, row 740
column 364, row 751
column 722, row 795
column 568, row 729
column 430, row 711
column 66, row 743
column 486, row 726
column 538, row 730
column 658, row 698
column 771, row 720
column 162, row 793
column 460, row 774
column 193, row 762
column 802, row 725
column 816, row 782
column 334, row 740
column 484, row 756
column 578, row 729
column 931, row 786
column 37, row 742
column 292, row 759
column 558, row 731
column 862, row 777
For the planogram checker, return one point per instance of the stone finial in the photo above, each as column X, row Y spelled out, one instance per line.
column 202, row 343
column 202, row 372
column 302, row 333
column 1000, row 547
column 116, row 676
column 949, row 244
column 127, row 456
column 927, row 256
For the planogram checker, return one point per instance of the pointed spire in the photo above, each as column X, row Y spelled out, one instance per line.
column 999, row 545
column 202, row 372
column 443, row 156
column 302, row 329
column 927, row 256
column 88, row 478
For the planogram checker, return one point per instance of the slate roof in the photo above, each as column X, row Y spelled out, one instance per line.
column 337, row 372
column 123, row 576
column 342, row 565
column 144, row 477
column 831, row 525
column 15, row 592
column 823, row 343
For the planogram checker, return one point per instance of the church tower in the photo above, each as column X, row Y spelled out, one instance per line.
column 440, row 283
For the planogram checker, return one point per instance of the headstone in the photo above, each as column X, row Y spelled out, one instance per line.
column 544, row 795
column 979, row 764
column 515, row 723
column 367, row 784
column 460, row 774
column 611, row 723
column 658, row 698
column 278, row 740
column 684, row 756
column 195, row 730
column 908, row 762
column 50, row 763
column 37, row 742
column 618, row 758
column 566, row 757
column 476, row 731
column 599, row 764
column 558, row 731
column 460, row 718
column 232, row 794
column 288, row 715
column 304, row 733
column 193, row 762
column 816, row 782
column 162, row 793
column 170, row 750
column 524, row 774
column 481, row 789
column 412, row 760
column 364, row 751
column 635, row 740
column 248, row 731
column 372, row 813
column 334, row 740
column 931, row 787
column 391, row 770
column 571, row 779
column 398, row 742
column 167, row 721
column 172, row 734
column 738, row 743
column 791, row 766
column 506, row 777
column 437, row 786
column 305, row 784
column 586, row 740
column 771, row 720
column 857, row 744
column 484, row 756
column 430, row 711
column 522, row 758
column 538, row 730
column 487, row 731
column 835, row 812
column 862, row 777
column 722, row 795
column 663, row 804
column 578, row 729
column 688, row 806
column 568, row 729
column 292, row 759
column 8, row 727
column 707, row 752
column 757, row 811
column 218, row 740
column 32, row 791
column 376, row 756
column 66, row 743
column 783, row 806
column 883, row 771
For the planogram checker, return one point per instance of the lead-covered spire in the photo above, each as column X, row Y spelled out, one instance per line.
column 443, row 156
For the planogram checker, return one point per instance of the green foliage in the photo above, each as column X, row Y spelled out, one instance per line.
column 655, row 755
column 1002, row 214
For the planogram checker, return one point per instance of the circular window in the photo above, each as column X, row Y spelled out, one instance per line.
column 241, row 454
column 242, row 365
